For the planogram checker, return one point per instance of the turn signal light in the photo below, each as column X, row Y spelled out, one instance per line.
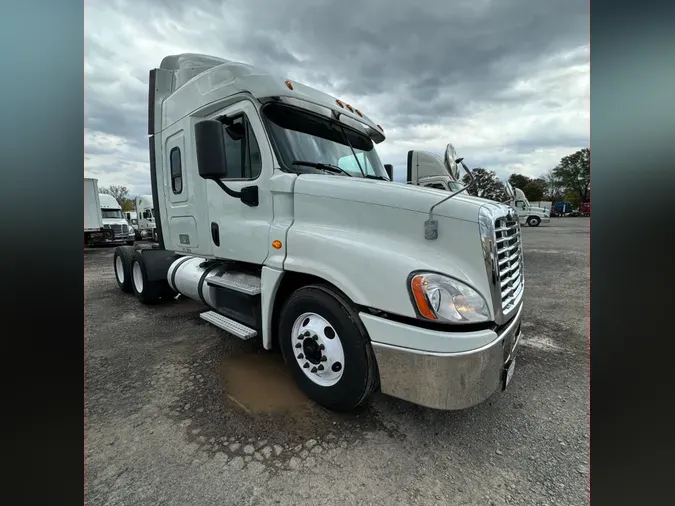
column 276, row 244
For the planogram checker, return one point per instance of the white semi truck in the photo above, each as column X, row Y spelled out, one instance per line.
column 145, row 213
column 528, row 214
column 274, row 211
column 115, row 227
column 104, row 222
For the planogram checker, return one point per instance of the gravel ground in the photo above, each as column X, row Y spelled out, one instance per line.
column 178, row 412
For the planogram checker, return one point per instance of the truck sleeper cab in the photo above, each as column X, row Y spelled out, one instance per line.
column 273, row 209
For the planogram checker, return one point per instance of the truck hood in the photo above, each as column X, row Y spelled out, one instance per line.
column 395, row 195
column 366, row 237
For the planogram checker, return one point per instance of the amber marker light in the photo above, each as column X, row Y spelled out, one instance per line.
column 418, row 285
column 289, row 84
column 277, row 244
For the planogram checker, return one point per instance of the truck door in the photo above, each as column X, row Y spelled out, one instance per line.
column 238, row 231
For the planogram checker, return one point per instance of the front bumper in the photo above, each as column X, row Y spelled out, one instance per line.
column 439, row 379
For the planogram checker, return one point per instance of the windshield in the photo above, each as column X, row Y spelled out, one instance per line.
column 303, row 136
column 112, row 213
column 455, row 186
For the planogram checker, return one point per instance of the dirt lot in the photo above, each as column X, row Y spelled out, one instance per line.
column 180, row 413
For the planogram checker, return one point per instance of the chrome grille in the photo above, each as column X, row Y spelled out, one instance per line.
column 509, row 261
column 119, row 230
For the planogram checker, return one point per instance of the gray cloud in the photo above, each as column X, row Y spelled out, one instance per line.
column 501, row 76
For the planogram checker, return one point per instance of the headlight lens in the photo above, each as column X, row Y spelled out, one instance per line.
column 439, row 297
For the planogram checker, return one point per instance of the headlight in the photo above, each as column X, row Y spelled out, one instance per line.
column 439, row 297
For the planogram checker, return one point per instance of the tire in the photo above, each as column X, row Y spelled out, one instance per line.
column 340, row 387
column 122, row 265
column 533, row 221
column 148, row 292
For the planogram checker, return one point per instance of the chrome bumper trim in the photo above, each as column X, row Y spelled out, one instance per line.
column 447, row 381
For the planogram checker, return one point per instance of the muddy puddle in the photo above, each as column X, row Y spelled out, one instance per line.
column 261, row 383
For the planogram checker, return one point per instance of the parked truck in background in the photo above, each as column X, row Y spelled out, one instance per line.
column 115, row 226
column 528, row 214
column 147, row 228
column 274, row 210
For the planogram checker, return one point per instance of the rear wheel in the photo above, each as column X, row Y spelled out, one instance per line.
column 148, row 292
column 327, row 348
column 122, row 261
column 533, row 221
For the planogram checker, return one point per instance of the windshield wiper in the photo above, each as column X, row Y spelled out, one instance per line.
column 323, row 166
column 373, row 176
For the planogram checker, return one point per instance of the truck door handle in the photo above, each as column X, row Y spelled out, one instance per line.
column 215, row 233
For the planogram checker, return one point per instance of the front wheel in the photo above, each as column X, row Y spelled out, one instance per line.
column 327, row 348
column 533, row 221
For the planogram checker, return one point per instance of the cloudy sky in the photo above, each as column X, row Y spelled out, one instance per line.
column 506, row 81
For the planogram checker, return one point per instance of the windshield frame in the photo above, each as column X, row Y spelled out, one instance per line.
column 269, row 127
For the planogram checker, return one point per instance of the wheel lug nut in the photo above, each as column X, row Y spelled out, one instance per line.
column 322, row 347
column 320, row 368
column 315, row 337
column 301, row 337
column 306, row 365
column 313, row 369
column 324, row 358
column 298, row 345
column 307, row 333
column 301, row 356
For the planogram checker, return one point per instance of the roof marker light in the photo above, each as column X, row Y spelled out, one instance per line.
column 358, row 112
column 339, row 102
column 378, row 126
column 289, row 84
column 350, row 107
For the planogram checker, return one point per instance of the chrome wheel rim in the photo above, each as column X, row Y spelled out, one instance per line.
column 317, row 349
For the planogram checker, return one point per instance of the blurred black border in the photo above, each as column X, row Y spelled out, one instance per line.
column 42, row 106
column 633, row 178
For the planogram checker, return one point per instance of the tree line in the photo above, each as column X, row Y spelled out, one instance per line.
column 569, row 181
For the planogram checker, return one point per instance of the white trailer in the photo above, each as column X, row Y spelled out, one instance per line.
column 93, row 221
column 274, row 210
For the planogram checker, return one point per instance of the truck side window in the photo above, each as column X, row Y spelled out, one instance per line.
column 176, row 171
column 437, row 185
column 241, row 149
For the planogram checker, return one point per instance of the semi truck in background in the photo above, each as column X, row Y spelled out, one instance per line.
column 104, row 222
column 274, row 210
column 528, row 214
column 145, row 212
column 115, row 226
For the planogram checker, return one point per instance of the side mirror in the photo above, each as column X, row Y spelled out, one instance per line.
column 390, row 170
column 210, row 145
